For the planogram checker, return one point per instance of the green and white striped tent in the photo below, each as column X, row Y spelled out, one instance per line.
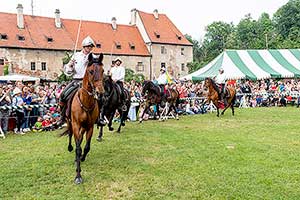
column 252, row 64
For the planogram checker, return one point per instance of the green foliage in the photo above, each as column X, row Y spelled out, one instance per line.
column 283, row 31
column 253, row 155
column 62, row 77
column 131, row 75
column 5, row 70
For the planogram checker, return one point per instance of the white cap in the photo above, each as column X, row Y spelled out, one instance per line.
column 88, row 41
column 17, row 91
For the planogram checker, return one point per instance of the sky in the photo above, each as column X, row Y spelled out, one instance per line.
column 190, row 16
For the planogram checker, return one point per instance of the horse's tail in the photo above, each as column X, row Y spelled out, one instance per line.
column 66, row 132
column 233, row 99
column 177, row 99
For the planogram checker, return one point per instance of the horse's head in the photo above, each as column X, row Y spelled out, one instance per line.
column 108, row 85
column 207, row 82
column 93, row 77
column 146, row 87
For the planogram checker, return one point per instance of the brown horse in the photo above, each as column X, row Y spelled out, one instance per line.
column 85, row 111
column 155, row 97
column 213, row 95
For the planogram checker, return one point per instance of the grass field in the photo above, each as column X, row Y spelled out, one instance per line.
column 253, row 155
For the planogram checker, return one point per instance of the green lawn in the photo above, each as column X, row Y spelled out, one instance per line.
column 253, row 155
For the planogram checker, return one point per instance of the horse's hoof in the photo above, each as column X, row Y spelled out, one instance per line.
column 118, row 131
column 110, row 128
column 222, row 113
column 70, row 148
column 78, row 180
column 123, row 124
column 82, row 159
column 141, row 121
column 99, row 139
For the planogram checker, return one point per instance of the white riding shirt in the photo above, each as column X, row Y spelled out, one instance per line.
column 79, row 68
column 221, row 79
column 118, row 73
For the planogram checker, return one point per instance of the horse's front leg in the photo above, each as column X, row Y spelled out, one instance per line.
column 87, row 147
column 78, row 152
column 110, row 128
column 99, row 138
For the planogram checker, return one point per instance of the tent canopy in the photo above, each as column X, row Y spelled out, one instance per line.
column 18, row 77
column 252, row 64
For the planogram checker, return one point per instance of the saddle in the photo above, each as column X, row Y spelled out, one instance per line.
column 69, row 102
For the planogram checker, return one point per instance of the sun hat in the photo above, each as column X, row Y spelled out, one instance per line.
column 16, row 91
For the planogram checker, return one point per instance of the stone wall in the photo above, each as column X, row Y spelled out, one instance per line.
column 20, row 62
column 172, row 57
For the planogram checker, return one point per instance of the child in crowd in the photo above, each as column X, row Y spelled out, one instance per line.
column 38, row 125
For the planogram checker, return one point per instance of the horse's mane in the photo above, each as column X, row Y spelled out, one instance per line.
column 151, row 87
column 214, row 85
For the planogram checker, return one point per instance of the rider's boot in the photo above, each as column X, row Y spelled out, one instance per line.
column 62, row 120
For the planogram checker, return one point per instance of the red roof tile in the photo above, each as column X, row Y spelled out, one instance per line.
column 162, row 30
column 37, row 29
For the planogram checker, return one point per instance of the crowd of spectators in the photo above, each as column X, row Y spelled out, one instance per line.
column 22, row 120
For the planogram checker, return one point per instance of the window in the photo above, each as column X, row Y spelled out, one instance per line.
column 132, row 46
column 1, row 61
column 182, row 67
column 3, row 36
column 163, row 50
column 32, row 64
column 140, row 67
column 49, row 39
column 156, row 34
column 182, row 51
column 162, row 65
column 21, row 37
column 98, row 45
column 44, row 66
column 118, row 45
column 178, row 37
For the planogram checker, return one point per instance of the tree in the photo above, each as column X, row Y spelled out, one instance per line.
column 131, row 75
column 62, row 77
column 287, row 18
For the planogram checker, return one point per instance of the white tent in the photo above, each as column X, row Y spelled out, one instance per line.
column 252, row 64
column 18, row 77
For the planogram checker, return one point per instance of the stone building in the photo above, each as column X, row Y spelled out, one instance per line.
column 167, row 45
column 36, row 45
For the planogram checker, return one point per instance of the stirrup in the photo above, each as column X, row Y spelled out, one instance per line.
column 124, row 108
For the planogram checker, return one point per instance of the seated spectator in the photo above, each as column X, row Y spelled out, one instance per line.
column 46, row 123
column 38, row 125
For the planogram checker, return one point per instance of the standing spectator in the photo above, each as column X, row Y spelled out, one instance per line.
column 26, row 96
column 18, row 101
column 5, row 99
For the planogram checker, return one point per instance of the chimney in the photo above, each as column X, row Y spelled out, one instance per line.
column 114, row 23
column 57, row 18
column 155, row 13
column 133, row 17
column 20, row 18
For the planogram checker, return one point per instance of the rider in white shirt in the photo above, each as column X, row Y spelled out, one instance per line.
column 76, row 68
column 221, row 81
column 118, row 76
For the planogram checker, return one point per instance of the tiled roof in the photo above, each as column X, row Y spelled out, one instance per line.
column 162, row 30
column 38, row 29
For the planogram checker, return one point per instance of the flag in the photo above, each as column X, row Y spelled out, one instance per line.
column 169, row 80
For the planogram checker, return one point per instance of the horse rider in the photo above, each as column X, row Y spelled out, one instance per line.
column 162, row 80
column 118, row 76
column 76, row 68
column 221, row 81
